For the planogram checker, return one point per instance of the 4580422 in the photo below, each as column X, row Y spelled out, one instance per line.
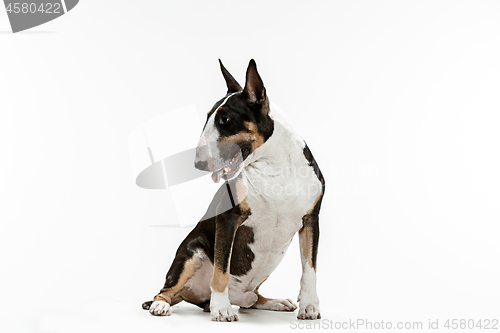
column 469, row 324
column 26, row 7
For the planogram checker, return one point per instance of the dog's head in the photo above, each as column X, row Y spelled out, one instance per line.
column 236, row 126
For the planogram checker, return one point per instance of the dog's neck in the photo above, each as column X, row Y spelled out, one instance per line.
column 280, row 149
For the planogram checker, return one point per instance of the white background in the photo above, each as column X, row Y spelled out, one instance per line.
column 397, row 100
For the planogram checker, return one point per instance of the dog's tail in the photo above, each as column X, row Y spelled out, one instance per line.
column 146, row 305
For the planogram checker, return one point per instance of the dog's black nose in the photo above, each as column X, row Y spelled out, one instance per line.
column 201, row 165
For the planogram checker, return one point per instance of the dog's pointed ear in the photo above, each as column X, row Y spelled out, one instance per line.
column 254, row 89
column 232, row 85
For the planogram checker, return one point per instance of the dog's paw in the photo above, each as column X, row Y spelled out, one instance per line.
column 147, row 305
column 282, row 304
column 279, row 304
column 160, row 308
column 225, row 313
column 220, row 307
column 310, row 311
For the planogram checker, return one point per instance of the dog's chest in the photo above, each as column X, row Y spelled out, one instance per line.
column 278, row 199
column 278, row 204
column 279, row 192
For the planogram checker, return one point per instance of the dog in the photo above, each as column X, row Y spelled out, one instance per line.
column 273, row 188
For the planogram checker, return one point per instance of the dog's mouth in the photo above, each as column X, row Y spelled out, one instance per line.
column 232, row 168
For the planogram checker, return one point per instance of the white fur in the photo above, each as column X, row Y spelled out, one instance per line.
column 277, row 305
column 241, row 297
column 275, row 217
column 210, row 135
column 279, row 164
column 199, row 283
column 308, row 298
column 220, row 307
column 160, row 308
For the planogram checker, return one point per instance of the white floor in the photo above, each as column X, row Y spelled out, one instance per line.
column 105, row 315
column 398, row 101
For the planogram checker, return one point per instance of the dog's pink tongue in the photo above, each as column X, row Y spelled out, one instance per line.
column 217, row 175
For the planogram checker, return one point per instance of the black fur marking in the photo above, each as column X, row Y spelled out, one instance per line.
column 254, row 90
column 232, row 84
column 242, row 256
column 250, row 105
column 230, row 194
column 226, row 227
column 206, row 308
column 315, row 229
column 215, row 107
column 202, row 237
column 224, row 236
column 147, row 305
column 240, row 111
column 312, row 163
column 312, row 220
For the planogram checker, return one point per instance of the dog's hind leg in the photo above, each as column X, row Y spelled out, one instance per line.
column 196, row 249
column 175, row 300
column 308, row 239
column 184, row 266
column 278, row 304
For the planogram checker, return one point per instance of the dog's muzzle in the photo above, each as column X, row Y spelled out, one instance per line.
column 226, row 167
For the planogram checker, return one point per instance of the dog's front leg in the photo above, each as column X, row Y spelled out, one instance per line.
column 308, row 238
column 225, row 230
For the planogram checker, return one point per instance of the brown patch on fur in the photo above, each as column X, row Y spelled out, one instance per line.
column 306, row 233
column 310, row 211
column 220, row 280
column 306, row 242
column 170, row 295
column 260, row 284
column 253, row 136
column 212, row 110
column 176, row 299
column 241, row 195
column 251, row 127
column 261, row 299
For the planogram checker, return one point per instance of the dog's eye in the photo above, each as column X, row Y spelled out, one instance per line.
column 224, row 120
